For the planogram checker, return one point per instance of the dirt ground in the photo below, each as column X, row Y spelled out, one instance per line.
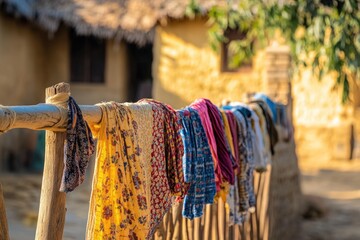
column 332, row 193
column 22, row 195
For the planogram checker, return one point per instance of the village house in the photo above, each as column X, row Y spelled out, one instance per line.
column 126, row 50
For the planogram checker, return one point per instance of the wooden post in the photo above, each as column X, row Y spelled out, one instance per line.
column 4, row 230
column 51, row 220
column 208, row 221
column 214, row 222
column 184, row 228
column 221, row 219
column 177, row 222
column 197, row 229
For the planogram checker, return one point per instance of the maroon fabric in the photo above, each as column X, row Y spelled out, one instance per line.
column 200, row 106
column 234, row 133
column 224, row 154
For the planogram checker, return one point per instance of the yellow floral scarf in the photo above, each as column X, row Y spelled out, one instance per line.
column 138, row 170
column 119, row 205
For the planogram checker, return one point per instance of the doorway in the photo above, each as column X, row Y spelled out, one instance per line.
column 140, row 71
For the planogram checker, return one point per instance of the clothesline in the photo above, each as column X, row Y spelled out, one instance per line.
column 150, row 156
column 56, row 116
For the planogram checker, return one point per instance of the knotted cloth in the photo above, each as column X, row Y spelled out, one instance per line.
column 11, row 117
column 78, row 148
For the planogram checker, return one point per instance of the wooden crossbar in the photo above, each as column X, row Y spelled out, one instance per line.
column 44, row 116
column 53, row 118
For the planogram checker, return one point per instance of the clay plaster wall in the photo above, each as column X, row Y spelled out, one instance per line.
column 115, row 86
column 30, row 61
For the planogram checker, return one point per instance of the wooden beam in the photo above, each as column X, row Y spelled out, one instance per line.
column 4, row 230
column 51, row 220
column 44, row 116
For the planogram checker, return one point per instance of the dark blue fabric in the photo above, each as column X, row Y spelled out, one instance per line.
column 198, row 164
column 272, row 105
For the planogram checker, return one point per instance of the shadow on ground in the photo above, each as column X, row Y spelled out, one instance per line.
column 332, row 204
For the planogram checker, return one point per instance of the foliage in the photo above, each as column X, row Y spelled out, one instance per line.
column 325, row 33
column 192, row 9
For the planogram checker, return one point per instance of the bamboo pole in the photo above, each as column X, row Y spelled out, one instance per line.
column 221, row 219
column 43, row 116
column 4, row 230
column 184, row 234
column 197, row 229
column 51, row 220
column 214, row 222
column 264, row 214
column 169, row 225
column 177, row 222
column 207, row 221
column 190, row 229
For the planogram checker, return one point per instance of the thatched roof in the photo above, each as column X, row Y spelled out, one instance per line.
column 132, row 20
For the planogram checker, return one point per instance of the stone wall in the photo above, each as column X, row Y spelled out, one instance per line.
column 323, row 125
column 186, row 68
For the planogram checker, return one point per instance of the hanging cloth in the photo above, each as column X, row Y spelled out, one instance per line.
column 202, row 110
column 167, row 178
column 218, row 140
column 234, row 133
column 78, row 148
column 264, row 136
column 119, row 205
column 270, row 126
column 198, row 164
column 229, row 138
column 137, row 174
column 246, row 154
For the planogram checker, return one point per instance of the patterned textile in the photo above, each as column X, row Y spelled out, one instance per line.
column 237, row 215
column 223, row 161
column 244, row 187
column 202, row 109
column 272, row 105
column 254, row 133
column 258, row 143
column 138, row 170
column 245, row 167
column 246, row 113
column 78, row 148
column 167, row 125
column 270, row 126
column 167, row 178
column 266, row 153
column 119, row 204
column 198, row 165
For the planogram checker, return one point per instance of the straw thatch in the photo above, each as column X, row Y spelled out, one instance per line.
column 132, row 20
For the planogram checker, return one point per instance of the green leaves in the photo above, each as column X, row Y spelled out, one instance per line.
column 328, row 30
column 192, row 9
